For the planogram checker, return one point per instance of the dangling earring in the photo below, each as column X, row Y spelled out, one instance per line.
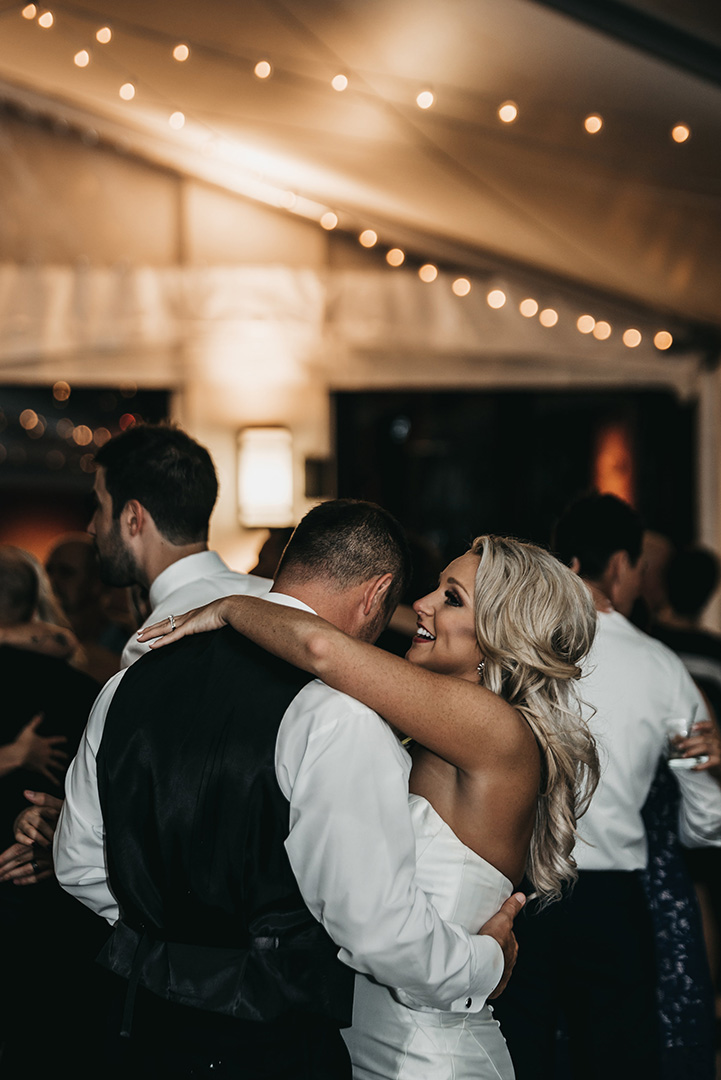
column 480, row 668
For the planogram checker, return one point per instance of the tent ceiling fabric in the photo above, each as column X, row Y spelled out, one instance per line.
column 627, row 211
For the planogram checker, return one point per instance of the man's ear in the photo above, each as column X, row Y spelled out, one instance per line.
column 374, row 592
column 135, row 517
column 575, row 564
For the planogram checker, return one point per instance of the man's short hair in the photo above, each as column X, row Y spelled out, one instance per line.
column 592, row 529
column 345, row 542
column 693, row 575
column 169, row 473
column 18, row 587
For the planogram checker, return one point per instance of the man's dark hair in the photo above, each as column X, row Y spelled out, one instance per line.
column 168, row 472
column 592, row 528
column 346, row 542
column 18, row 587
column 693, row 575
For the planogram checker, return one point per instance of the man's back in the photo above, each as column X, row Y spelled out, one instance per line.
column 195, row 828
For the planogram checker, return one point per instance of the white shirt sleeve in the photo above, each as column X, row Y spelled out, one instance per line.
column 79, row 844
column 352, row 849
column 699, row 813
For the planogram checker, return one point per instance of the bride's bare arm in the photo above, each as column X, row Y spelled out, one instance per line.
column 462, row 722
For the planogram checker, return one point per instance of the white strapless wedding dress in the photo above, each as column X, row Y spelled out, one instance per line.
column 391, row 1042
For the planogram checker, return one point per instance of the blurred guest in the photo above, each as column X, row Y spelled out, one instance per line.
column 589, row 961
column 657, row 552
column 47, row 630
column 72, row 568
column 693, row 577
column 45, row 706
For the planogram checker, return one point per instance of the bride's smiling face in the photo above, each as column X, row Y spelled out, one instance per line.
column 446, row 637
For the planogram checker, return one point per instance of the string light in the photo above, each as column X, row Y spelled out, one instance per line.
column 425, row 99
column 528, row 308
column 104, row 35
column 461, row 286
column 428, row 273
column 680, row 133
column 28, row 419
column 287, row 200
column 395, row 257
column 82, row 435
column 663, row 340
column 127, row 91
column 593, row 123
column 508, row 112
column 368, row 238
column 586, row 324
column 339, row 83
column 82, row 58
column 329, row 220
column 176, row 120
column 61, row 390
column 262, row 69
column 548, row 317
column 496, row 298
column 602, row 330
column 29, row 11
column 632, row 338
column 46, row 20
column 181, row 53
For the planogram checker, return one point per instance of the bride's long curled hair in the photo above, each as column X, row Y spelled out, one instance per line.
column 535, row 622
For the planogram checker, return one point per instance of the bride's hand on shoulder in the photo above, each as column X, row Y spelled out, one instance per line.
column 198, row 621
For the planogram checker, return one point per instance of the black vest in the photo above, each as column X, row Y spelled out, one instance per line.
column 211, row 915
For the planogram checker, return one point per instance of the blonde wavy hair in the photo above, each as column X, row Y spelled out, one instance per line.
column 535, row 622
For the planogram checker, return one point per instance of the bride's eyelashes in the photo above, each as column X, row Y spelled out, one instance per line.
column 453, row 599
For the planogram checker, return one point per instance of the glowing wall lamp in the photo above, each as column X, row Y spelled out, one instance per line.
column 265, row 477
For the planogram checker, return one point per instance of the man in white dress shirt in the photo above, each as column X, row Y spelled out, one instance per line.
column 154, row 491
column 590, row 957
column 314, row 790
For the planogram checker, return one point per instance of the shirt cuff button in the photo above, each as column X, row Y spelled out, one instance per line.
column 469, row 1002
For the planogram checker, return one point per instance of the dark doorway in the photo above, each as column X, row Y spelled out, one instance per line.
column 454, row 464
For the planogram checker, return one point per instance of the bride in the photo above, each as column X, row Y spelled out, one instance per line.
column 503, row 763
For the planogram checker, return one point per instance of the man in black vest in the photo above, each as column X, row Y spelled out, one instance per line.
column 238, row 822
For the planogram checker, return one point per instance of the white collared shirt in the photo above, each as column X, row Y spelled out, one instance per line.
column 189, row 583
column 635, row 684
column 351, row 846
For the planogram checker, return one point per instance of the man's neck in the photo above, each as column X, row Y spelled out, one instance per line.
column 165, row 554
column 332, row 605
column 600, row 597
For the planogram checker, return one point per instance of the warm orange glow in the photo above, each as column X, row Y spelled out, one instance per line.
column 262, row 69
column 176, row 120
column 82, row 58
column 127, row 420
column 496, row 298
column 461, row 286
column 528, row 308
column 395, row 257
column 613, row 466
column 680, row 133
column 181, row 53
column 104, row 35
column 29, row 11
column 61, row 390
column 428, row 272
column 127, row 91
column 631, row 338
column 593, row 123
column 339, row 83
column 508, row 112
column 602, row 330
column 46, row 20
column 368, row 238
column 548, row 317
column 28, row 419
column 425, row 99
column 101, row 436
column 329, row 220
column 82, row 435
column 586, row 323
column 663, row 340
